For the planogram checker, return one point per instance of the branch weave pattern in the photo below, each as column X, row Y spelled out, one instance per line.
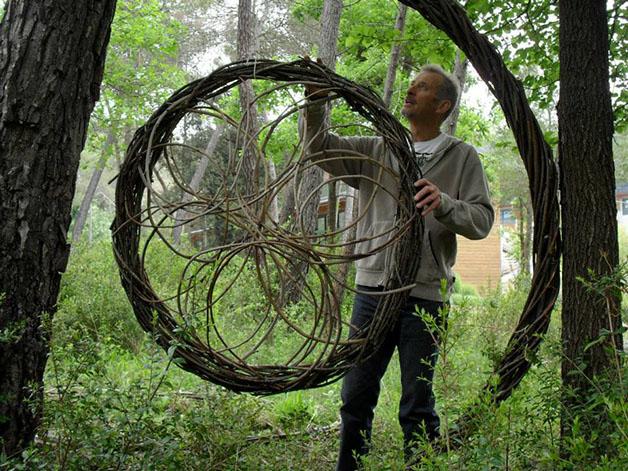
column 250, row 249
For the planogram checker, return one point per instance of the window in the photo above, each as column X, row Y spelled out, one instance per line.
column 341, row 219
column 507, row 216
column 624, row 207
column 321, row 224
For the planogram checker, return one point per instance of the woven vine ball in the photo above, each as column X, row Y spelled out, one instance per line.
column 235, row 292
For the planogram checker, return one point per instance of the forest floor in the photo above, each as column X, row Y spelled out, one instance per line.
column 114, row 400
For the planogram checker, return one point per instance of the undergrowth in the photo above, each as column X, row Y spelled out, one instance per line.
column 114, row 400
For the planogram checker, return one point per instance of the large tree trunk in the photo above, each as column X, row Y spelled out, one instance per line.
column 460, row 72
column 395, row 55
column 52, row 55
column 287, row 207
column 588, row 214
column 307, row 211
column 86, row 203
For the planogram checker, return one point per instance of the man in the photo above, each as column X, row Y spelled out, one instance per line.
column 453, row 198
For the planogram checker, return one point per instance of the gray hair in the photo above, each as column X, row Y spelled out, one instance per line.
column 449, row 89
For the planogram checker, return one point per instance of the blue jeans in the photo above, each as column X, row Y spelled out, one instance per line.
column 360, row 388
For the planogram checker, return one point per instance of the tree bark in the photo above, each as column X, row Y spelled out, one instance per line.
column 52, row 55
column 589, row 225
column 274, row 202
column 524, row 233
column 86, row 203
column 287, row 207
column 348, row 238
column 328, row 39
column 460, row 72
column 246, row 48
column 395, row 55
column 307, row 211
column 195, row 182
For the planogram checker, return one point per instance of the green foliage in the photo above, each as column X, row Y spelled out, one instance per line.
column 367, row 34
column 526, row 34
column 473, row 127
column 294, row 410
column 114, row 399
column 141, row 70
column 463, row 290
column 92, row 304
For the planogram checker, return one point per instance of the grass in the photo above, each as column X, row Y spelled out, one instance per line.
column 115, row 401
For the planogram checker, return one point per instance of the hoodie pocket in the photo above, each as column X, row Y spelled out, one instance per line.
column 377, row 234
column 430, row 271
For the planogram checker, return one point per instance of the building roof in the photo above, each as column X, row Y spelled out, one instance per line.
column 621, row 188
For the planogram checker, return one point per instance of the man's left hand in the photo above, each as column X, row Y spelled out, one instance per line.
column 428, row 197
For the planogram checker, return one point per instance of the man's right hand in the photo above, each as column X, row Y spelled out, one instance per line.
column 313, row 91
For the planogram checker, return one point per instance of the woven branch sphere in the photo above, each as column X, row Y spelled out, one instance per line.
column 235, row 292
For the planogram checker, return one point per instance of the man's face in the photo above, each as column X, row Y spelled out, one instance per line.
column 421, row 101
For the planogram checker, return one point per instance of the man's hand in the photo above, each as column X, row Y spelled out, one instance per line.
column 312, row 91
column 428, row 197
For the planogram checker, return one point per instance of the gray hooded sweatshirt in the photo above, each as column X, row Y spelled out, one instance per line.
column 454, row 168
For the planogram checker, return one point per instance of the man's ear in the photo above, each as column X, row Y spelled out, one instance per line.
column 444, row 106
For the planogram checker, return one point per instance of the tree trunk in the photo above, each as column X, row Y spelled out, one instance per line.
column 307, row 211
column 249, row 127
column 589, row 224
column 330, row 24
column 395, row 55
column 287, row 207
column 274, row 202
column 348, row 238
column 524, row 233
column 350, row 208
column 460, row 72
column 86, row 203
column 332, row 205
column 52, row 55
column 195, row 183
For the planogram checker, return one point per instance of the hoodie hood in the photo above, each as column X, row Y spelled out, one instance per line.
column 447, row 145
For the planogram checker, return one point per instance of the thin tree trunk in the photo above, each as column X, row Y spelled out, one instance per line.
column 52, row 55
column 332, row 205
column 330, row 24
column 524, row 234
column 287, row 207
column 395, row 55
column 86, row 203
column 527, row 246
column 195, row 183
column 348, row 236
column 246, row 48
column 307, row 211
column 589, row 224
column 460, row 72
column 274, row 203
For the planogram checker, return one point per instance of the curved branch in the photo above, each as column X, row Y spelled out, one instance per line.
column 451, row 18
